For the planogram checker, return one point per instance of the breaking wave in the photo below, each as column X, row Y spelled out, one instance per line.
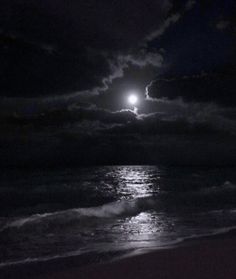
column 110, row 210
column 133, row 207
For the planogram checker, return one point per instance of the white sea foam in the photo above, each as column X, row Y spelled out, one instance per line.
column 118, row 208
column 152, row 246
column 113, row 209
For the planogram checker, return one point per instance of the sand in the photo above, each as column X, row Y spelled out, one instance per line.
column 211, row 258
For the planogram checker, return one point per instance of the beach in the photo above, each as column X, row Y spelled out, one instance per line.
column 117, row 139
column 208, row 258
column 139, row 222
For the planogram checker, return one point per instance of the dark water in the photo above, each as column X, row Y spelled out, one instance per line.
column 50, row 214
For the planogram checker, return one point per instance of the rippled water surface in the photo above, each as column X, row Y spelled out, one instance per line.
column 46, row 214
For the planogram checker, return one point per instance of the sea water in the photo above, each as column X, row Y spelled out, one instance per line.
column 48, row 214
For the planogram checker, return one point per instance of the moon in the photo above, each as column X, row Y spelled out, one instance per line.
column 133, row 99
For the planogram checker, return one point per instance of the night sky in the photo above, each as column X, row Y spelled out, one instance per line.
column 68, row 67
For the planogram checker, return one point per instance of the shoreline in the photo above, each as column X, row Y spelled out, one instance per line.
column 205, row 257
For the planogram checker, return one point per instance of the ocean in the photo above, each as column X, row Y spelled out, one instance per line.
column 113, row 210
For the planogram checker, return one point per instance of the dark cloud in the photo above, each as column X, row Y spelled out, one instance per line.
column 173, row 18
column 68, row 116
column 213, row 88
column 147, row 141
column 60, row 47
column 194, row 44
column 67, row 68
column 222, row 24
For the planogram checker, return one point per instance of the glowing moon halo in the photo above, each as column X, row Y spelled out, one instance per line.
column 133, row 99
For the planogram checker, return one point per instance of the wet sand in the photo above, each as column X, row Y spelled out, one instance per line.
column 209, row 258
